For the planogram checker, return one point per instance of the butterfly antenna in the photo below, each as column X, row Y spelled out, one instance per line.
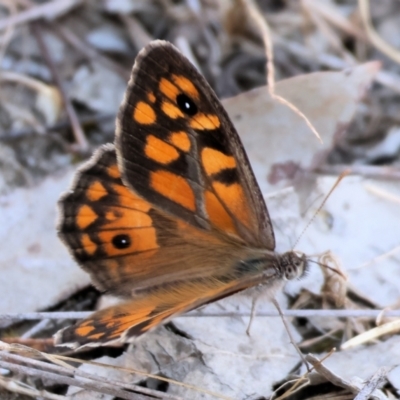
column 338, row 180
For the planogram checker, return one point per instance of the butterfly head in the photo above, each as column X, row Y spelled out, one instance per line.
column 294, row 265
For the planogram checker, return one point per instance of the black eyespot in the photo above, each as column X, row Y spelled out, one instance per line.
column 186, row 104
column 121, row 241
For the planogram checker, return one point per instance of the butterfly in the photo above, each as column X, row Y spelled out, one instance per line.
column 169, row 217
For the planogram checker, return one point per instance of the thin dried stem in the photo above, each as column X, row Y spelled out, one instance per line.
column 8, row 34
column 379, row 258
column 372, row 334
column 54, row 128
column 384, row 194
column 376, row 381
column 338, row 180
column 369, row 171
column 80, row 138
column 74, row 377
column 14, row 386
column 50, row 10
column 60, row 379
column 373, row 35
column 14, row 317
column 332, row 14
column 362, row 393
column 267, row 38
column 276, row 304
column 297, row 384
column 88, row 51
column 66, row 372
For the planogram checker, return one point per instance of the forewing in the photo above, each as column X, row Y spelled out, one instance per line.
column 178, row 149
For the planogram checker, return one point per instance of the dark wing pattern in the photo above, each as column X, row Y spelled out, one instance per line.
column 178, row 149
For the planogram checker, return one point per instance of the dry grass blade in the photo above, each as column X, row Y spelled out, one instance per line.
column 67, row 375
column 373, row 383
column 329, row 33
column 372, row 334
column 147, row 375
column 14, row 386
column 62, row 372
column 386, row 78
column 32, row 83
column 368, row 171
column 362, row 390
column 201, row 314
column 376, row 40
column 329, row 12
column 381, row 257
column 334, row 288
column 73, row 381
column 383, row 193
column 294, row 386
column 335, row 185
column 329, row 375
column 88, row 51
column 81, row 141
column 267, row 38
column 50, row 10
column 292, row 341
column 9, row 31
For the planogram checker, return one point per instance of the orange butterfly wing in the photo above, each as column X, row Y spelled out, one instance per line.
column 132, row 318
column 131, row 249
column 179, row 220
column 178, row 149
column 125, row 243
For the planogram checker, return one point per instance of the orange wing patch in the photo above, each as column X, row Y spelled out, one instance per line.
column 180, row 140
column 113, row 171
column 168, row 89
column 186, row 86
column 85, row 216
column 116, row 217
column 214, row 161
column 170, row 110
column 96, row 191
column 173, row 187
column 235, row 200
column 225, row 200
column 88, row 245
column 205, row 122
column 218, row 214
column 144, row 114
column 151, row 97
column 127, row 199
column 160, row 151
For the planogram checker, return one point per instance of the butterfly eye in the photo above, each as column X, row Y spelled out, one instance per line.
column 186, row 104
column 121, row 241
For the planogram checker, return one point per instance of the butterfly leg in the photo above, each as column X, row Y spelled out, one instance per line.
column 252, row 314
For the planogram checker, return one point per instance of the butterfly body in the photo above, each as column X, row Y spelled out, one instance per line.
column 171, row 217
